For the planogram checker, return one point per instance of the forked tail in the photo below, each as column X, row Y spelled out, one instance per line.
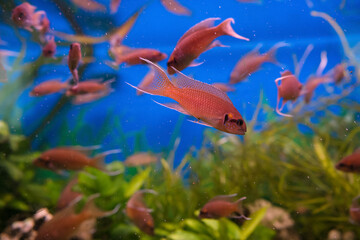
column 227, row 29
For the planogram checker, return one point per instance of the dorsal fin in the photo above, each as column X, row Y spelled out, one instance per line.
column 183, row 81
column 200, row 26
column 227, row 198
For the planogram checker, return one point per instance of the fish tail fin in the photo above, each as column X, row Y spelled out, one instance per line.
column 75, row 76
column 161, row 84
column 227, row 29
column 91, row 207
column 239, row 208
column 271, row 54
column 98, row 160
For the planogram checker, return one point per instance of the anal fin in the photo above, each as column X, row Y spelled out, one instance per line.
column 201, row 123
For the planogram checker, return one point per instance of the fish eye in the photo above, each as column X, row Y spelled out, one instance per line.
column 240, row 122
column 226, row 118
column 71, row 46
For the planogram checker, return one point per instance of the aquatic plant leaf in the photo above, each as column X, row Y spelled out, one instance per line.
column 14, row 172
column 250, row 225
column 212, row 224
column 196, row 226
column 4, row 131
column 323, row 157
column 229, row 230
column 181, row 235
column 136, row 182
column 18, row 143
column 262, row 233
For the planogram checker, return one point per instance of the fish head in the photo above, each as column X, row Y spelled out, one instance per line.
column 345, row 165
column 159, row 56
column 148, row 226
column 22, row 15
column 44, row 162
column 234, row 123
column 178, row 62
column 49, row 49
column 204, row 213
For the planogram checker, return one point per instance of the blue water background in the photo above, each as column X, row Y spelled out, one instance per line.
column 266, row 23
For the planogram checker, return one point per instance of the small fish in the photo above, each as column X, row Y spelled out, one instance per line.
column 48, row 87
column 90, row 97
column 312, row 83
column 22, row 15
column 67, row 196
column 338, row 73
column 140, row 159
column 147, row 80
column 355, row 211
column 288, row 90
column 174, row 7
column 40, row 22
column 252, row 61
column 74, row 59
column 350, row 163
column 221, row 206
column 200, row 100
column 197, row 40
column 66, row 223
column 138, row 212
column 114, row 6
column 89, row 86
column 68, row 158
column 89, row 5
column 224, row 87
column 132, row 56
column 50, row 48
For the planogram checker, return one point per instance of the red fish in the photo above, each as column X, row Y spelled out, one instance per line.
column 140, row 159
column 40, row 22
column 288, row 90
column 67, row 196
column 223, row 87
column 90, row 97
column 197, row 40
column 174, row 7
column 220, row 206
column 252, row 61
column 138, row 212
column 74, row 59
column 200, row 100
column 70, row 158
column 23, row 14
column 310, row 86
column 147, row 80
column 350, row 163
column 48, row 87
column 338, row 73
column 132, row 56
column 90, row 86
column 67, row 222
column 50, row 48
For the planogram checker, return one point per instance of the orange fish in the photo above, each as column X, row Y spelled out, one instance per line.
column 355, row 211
column 132, row 56
column 67, row 222
column 197, row 40
column 252, row 61
column 223, row 87
column 140, row 159
column 138, row 212
column 89, row 86
column 74, row 59
column 350, row 163
column 89, row 5
column 310, row 86
column 200, row 100
column 67, row 196
column 174, row 7
column 288, row 90
column 220, row 206
column 70, row 158
column 114, row 6
column 23, row 14
column 48, row 87
column 147, row 80
column 50, row 48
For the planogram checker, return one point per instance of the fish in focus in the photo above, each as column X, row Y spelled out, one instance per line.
column 354, row 211
column 48, row 87
column 224, row 87
column 114, row 6
column 138, row 212
column 70, row 158
column 50, row 48
column 221, row 206
column 73, row 60
column 174, row 7
column 140, row 159
column 66, row 223
column 252, row 61
column 90, row 86
column 204, row 102
column 147, row 80
column 132, row 56
column 67, row 196
column 288, row 90
column 89, row 5
column 197, row 40
column 350, row 163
